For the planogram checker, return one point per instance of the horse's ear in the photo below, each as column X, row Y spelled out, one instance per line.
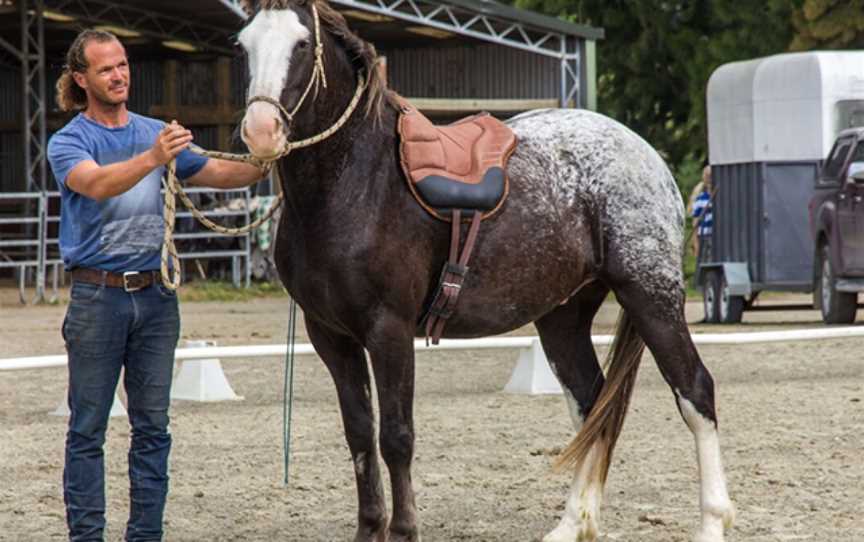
column 249, row 6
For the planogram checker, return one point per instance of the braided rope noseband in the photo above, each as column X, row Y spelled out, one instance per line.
column 174, row 189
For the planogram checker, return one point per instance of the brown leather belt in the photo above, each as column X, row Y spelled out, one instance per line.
column 129, row 281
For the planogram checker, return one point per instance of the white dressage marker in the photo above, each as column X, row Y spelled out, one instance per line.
column 202, row 380
column 532, row 374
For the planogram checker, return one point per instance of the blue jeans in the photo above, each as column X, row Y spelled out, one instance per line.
column 107, row 329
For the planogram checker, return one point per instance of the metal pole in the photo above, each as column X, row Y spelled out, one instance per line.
column 25, row 90
column 563, row 90
column 43, row 177
column 43, row 107
column 579, row 74
column 25, row 126
column 247, row 194
column 43, row 242
column 33, row 116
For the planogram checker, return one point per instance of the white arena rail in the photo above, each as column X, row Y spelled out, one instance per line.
column 277, row 350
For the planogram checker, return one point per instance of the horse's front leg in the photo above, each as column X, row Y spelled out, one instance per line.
column 391, row 348
column 346, row 362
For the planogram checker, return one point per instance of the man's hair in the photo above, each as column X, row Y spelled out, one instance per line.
column 70, row 96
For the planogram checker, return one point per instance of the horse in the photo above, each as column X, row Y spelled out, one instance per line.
column 592, row 208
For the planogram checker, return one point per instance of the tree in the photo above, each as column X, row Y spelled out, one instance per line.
column 654, row 64
column 829, row 24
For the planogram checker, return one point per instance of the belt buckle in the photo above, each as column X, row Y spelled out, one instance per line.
column 132, row 281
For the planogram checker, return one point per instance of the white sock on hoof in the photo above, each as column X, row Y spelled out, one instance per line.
column 718, row 513
column 580, row 522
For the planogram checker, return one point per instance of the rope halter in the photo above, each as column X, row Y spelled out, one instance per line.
column 173, row 187
column 316, row 80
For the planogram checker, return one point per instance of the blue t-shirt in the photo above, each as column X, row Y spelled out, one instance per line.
column 122, row 233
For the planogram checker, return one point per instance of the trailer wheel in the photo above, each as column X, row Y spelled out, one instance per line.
column 837, row 307
column 710, row 291
column 730, row 307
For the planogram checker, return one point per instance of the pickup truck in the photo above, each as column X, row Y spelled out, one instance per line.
column 837, row 227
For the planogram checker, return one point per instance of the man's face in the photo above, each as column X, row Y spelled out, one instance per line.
column 107, row 77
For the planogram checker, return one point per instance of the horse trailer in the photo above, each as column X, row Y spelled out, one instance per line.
column 771, row 123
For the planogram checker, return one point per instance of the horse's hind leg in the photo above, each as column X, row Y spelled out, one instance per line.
column 346, row 362
column 658, row 315
column 566, row 337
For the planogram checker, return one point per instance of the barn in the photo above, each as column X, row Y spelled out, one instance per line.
column 449, row 58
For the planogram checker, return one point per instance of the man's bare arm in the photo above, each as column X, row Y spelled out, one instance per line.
column 102, row 182
column 226, row 174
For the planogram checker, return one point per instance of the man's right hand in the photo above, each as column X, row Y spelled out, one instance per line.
column 171, row 142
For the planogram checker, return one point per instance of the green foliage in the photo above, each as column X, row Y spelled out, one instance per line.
column 654, row 64
column 688, row 173
column 213, row 290
column 829, row 24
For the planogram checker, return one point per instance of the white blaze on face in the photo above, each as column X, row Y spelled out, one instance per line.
column 269, row 41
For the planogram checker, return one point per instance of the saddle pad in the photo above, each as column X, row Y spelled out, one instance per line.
column 459, row 166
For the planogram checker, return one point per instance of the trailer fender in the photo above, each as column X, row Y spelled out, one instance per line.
column 737, row 276
column 825, row 220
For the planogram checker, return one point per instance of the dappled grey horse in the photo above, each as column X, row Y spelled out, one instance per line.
column 592, row 208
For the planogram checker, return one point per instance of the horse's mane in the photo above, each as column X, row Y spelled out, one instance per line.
column 362, row 53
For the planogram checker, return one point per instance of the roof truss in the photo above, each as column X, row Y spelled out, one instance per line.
column 148, row 22
column 465, row 22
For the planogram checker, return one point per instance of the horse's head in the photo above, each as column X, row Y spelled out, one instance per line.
column 286, row 42
column 280, row 41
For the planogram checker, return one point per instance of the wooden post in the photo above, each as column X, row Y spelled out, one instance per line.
column 169, row 88
column 382, row 68
column 223, row 101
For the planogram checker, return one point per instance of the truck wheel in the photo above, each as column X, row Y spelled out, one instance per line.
column 730, row 307
column 710, row 291
column 837, row 307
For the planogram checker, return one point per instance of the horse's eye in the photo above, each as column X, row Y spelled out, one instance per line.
column 304, row 44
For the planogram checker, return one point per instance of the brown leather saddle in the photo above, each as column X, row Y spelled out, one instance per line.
column 458, row 166
column 455, row 172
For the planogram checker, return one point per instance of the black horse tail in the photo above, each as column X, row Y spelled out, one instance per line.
column 604, row 422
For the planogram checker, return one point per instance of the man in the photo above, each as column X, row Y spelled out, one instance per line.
column 703, row 216
column 108, row 163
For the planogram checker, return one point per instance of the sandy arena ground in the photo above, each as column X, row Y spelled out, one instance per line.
column 791, row 415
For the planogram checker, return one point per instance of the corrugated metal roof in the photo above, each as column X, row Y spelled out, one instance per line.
column 497, row 9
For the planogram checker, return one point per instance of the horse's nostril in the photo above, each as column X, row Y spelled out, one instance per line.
column 278, row 126
column 244, row 130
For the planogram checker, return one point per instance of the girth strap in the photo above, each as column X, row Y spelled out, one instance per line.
column 452, row 276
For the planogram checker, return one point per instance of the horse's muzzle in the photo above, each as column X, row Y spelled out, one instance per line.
column 263, row 131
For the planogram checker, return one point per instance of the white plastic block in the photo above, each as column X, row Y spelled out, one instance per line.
column 117, row 408
column 532, row 374
column 202, row 380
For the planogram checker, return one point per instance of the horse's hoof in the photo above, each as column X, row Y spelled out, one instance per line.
column 367, row 535
column 566, row 531
column 379, row 537
column 729, row 516
column 716, row 523
column 410, row 535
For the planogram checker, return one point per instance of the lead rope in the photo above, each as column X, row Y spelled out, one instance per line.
column 318, row 78
column 288, row 388
column 173, row 188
